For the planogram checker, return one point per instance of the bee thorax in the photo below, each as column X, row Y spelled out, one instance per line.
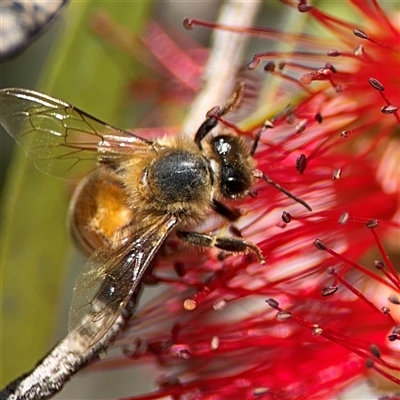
column 179, row 177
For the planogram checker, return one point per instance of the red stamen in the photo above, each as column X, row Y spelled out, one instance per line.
column 355, row 291
column 363, row 35
column 394, row 274
column 321, row 246
column 258, row 32
column 371, row 364
column 383, row 17
column 336, row 337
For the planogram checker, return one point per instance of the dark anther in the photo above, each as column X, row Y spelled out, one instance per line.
column 329, row 291
column 372, row 223
column 396, row 329
column 303, row 6
column 286, row 217
column 394, row 299
column 379, row 264
column 269, row 66
column 281, row 65
column 344, row 134
column 319, row 118
column 272, row 303
column 361, row 34
column 385, row 310
column 283, row 315
column 392, row 338
column 187, row 24
column 301, row 126
column 390, row 109
column 319, row 245
column 376, row 84
column 301, row 163
column 375, row 351
column 333, row 53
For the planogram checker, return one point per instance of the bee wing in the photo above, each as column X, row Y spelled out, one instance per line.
column 61, row 139
column 102, row 292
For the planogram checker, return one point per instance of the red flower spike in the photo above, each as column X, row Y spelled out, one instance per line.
column 354, row 345
column 335, row 148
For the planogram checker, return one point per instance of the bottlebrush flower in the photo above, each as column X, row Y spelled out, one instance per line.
column 321, row 315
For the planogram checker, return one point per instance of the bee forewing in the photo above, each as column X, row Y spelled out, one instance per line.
column 61, row 139
column 110, row 278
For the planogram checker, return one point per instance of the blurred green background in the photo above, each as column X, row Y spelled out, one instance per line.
column 71, row 63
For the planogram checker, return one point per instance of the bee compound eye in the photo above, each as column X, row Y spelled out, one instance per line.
column 233, row 183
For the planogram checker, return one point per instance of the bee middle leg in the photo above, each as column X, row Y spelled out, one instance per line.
column 226, row 243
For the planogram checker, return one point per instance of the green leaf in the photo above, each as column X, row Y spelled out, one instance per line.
column 35, row 245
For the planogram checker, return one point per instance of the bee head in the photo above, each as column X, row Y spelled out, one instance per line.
column 235, row 164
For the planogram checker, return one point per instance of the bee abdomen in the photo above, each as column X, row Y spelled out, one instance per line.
column 99, row 212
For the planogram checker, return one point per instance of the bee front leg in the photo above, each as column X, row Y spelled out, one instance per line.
column 230, row 244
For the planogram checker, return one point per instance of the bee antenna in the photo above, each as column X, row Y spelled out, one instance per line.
column 205, row 128
column 234, row 100
column 283, row 190
column 212, row 116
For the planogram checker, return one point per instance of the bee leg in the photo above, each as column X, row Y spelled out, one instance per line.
column 228, row 213
column 230, row 244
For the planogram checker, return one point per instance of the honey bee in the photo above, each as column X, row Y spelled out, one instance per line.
column 137, row 191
